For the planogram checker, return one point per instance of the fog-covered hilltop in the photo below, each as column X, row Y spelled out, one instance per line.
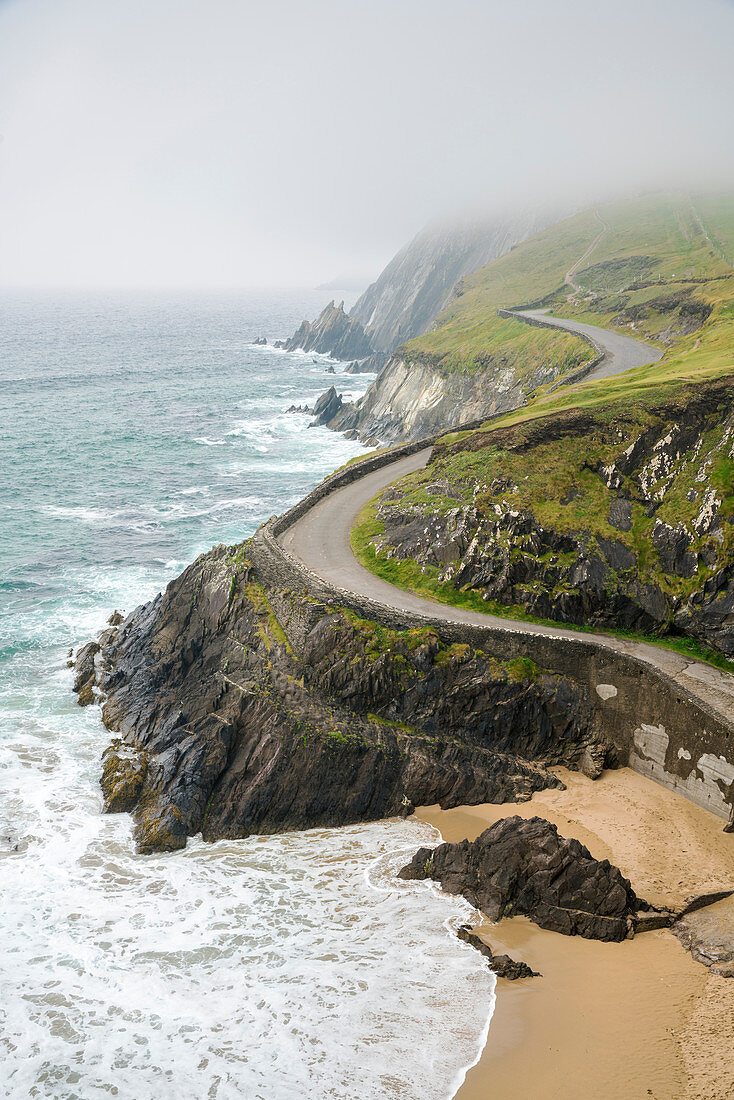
column 651, row 267
column 420, row 280
column 415, row 286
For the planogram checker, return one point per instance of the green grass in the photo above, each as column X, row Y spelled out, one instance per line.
column 424, row 582
column 653, row 249
column 391, row 723
column 270, row 630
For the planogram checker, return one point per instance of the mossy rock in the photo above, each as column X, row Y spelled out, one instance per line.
column 123, row 773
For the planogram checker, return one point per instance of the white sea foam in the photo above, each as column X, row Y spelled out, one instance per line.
column 82, row 512
column 272, row 967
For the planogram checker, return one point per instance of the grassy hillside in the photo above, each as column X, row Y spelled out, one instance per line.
column 653, row 272
column 609, row 502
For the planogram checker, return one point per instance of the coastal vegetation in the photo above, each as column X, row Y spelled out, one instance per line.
column 652, row 271
column 607, row 503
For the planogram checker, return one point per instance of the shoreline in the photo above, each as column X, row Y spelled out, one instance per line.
column 636, row 1019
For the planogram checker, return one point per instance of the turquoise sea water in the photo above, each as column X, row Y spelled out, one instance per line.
column 135, row 432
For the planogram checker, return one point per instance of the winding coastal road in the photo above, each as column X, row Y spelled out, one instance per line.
column 621, row 353
column 321, row 539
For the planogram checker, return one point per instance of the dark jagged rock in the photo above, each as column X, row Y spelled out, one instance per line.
column 260, row 342
column 523, row 866
column 620, row 513
column 327, row 406
column 332, row 333
column 85, row 673
column 672, row 545
column 243, row 710
column 503, row 965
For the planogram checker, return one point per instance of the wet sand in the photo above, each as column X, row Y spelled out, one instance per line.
column 612, row 1021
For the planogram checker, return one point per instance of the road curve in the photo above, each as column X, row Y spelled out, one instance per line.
column 321, row 539
column 621, row 353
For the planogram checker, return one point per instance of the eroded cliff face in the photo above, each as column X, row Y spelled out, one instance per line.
column 624, row 520
column 415, row 397
column 419, row 281
column 244, row 710
column 412, row 399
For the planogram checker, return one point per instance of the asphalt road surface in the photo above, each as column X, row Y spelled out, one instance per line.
column 622, row 353
column 321, row 539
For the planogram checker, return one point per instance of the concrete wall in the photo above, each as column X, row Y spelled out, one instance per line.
column 658, row 727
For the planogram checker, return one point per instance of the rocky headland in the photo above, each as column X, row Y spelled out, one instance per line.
column 412, row 396
column 240, row 704
column 332, row 333
column 240, row 709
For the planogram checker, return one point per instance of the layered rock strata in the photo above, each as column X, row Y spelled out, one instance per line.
column 613, row 553
column 242, row 710
column 412, row 399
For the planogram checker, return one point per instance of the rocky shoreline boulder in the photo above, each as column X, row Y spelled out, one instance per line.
column 503, row 965
column 523, row 866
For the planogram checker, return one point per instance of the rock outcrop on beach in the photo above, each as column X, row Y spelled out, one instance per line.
column 244, row 710
column 332, row 333
column 523, row 866
column 503, row 965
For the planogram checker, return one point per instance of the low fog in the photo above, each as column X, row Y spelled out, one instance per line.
column 235, row 143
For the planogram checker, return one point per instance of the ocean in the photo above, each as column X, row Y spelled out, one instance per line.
column 136, row 432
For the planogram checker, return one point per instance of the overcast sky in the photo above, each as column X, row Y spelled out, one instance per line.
column 286, row 142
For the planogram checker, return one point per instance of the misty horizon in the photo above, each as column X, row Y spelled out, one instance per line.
column 226, row 147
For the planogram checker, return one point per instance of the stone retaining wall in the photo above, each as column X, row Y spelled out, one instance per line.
column 585, row 369
column 658, row 727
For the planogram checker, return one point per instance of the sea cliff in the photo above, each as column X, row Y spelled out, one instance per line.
column 241, row 709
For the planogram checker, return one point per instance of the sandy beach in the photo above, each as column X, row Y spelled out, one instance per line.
column 612, row 1021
